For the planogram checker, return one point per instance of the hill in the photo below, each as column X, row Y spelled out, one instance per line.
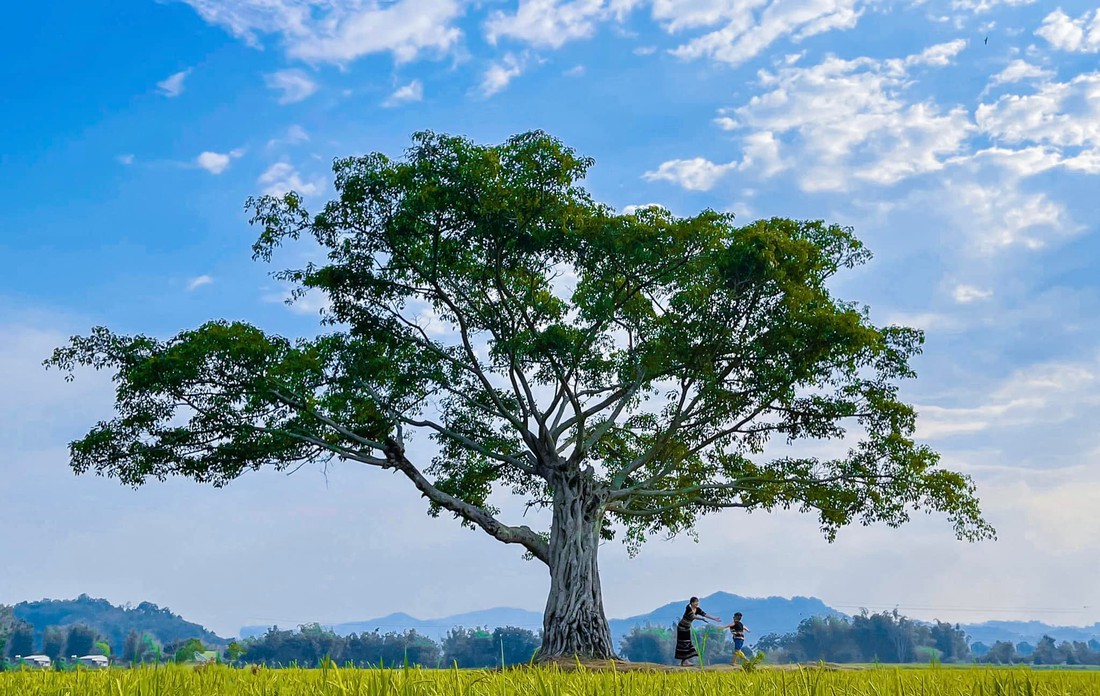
column 762, row 615
column 112, row 621
column 1031, row 632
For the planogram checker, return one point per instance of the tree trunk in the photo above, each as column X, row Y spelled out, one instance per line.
column 574, row 623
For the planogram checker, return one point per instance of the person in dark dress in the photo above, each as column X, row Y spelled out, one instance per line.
column 685, row 649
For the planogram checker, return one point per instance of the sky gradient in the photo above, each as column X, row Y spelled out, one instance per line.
column 959, row 138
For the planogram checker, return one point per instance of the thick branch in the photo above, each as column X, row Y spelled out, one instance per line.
column 522, row 535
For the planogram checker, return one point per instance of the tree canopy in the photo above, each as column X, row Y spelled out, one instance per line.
column 629, row 372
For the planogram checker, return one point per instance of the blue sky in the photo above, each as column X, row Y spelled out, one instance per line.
column 960, row 138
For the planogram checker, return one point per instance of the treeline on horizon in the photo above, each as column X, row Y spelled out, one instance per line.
column 886, row 637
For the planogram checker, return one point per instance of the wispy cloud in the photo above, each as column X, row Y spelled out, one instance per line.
column 412, row 92
column 126, row 159
column 294, row 84
column 199, row 282
column 965, row 294
column 747, row 31
column 172, row 86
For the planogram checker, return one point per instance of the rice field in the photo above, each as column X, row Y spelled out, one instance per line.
column 544, row 681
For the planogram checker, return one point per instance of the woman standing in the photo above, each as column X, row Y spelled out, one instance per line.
column 685, row 649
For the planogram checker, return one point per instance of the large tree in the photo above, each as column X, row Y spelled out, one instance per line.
column 626, row 372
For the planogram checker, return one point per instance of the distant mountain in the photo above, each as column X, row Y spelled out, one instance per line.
column 111, row 621
column 762, row 615
column 1028, row 631
column 435, row 629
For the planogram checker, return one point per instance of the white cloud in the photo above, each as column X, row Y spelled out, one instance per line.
column 199, row 282
column 1057, row 114
column 965, row 294
column 339, row 31
column 1019, row 70
column 501, row 73
column 1037, row 395
column 744, row 36
column 172, row 86
column 1081, row 35
column 281, row 178
column 981, row 6
column 631, row 209
column 552, row 23
column 296, row 134
column 761, row 153
column 575, row 71
column 412, row 92
column 999, row 215
column 126, row 159
column 294, row 84
column 217, row 162
column 938, row 55
column 696, row 174
column 848, row 121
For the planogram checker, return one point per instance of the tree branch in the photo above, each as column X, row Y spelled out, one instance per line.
column 522, row 535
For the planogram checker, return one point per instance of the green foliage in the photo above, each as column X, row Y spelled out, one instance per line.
column 550, row 347
column 80, row 640
column 682, row 347
column 479, row 647
column 649, row 644
column 187, row 651
column 53, row 642
column 20, row 640
column 113, row 623
column 312, row 643
column 886, row 637
column 234, row 652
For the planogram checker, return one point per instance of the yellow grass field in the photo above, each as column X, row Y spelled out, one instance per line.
column 543, row 681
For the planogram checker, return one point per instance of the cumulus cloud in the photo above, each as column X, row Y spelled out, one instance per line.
column 1080, row 35
column 172, row 86
column 339, row 31
column 412, row 92
column 695, row 174
column 217, row 162
column 1019, row 70
column 552, row 23
column 1064, row 116
column 294, row 84
column 849, row 121
column 281, row 178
